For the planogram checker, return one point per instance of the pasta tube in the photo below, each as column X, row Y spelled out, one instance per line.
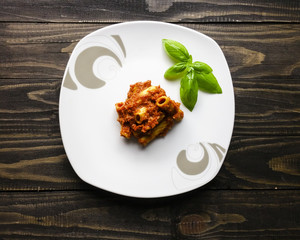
column 168, row 105
column 140, row 115
column 164, row 103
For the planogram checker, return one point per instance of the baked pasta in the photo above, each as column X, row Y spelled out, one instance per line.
column 147, row 112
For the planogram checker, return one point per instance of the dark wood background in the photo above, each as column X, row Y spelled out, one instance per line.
column 256, row 195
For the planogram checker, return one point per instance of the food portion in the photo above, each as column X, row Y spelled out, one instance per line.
column 147, row 112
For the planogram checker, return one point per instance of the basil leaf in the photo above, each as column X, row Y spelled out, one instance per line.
column 176, row 71
column 208, row 82
column 190, row 60
column 189, row 90
column 176, row 50
column 201, row 67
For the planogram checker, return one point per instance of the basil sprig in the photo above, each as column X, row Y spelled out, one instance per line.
column 194, row 75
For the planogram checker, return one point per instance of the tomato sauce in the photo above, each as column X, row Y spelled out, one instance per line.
column 147, row 112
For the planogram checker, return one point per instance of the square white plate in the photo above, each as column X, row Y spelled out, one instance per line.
column 98, row 74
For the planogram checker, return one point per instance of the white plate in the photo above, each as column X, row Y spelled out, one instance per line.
column 98, row 74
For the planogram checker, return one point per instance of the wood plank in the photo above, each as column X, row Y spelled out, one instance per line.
column 260, row 163
column 238, row 215
column 267, row 106
column 196, row 215
column 263, row 107
column 42, row 50
column 38, row 162
column 73, row 215
column 171, row 11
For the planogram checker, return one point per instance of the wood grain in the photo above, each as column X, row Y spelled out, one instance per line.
column 261, row 162
column 168, row 10
column 196, row 215
column 263, row 107
column 73, row 215
column 39, row 163
column 42, row 51
column 238, row 215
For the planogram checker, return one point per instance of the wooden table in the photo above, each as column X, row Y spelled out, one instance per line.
column 256, row 195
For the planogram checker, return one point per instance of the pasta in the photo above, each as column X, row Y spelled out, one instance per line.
column 147, row 112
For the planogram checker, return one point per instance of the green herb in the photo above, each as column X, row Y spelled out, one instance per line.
column 194, row 75
column 201, row 67
column 176, row 71
column 176, row 50
column 207, row 82
column 189, row 90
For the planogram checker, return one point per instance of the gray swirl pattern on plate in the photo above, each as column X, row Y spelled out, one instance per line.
column 84, row 66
